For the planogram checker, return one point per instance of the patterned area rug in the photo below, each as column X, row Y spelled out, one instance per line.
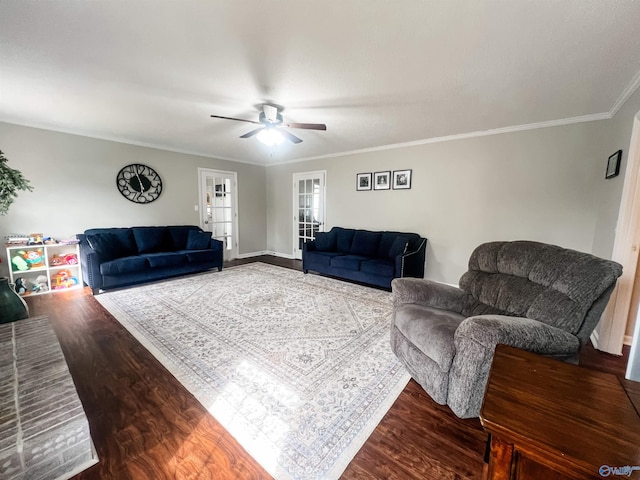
column 298, row 368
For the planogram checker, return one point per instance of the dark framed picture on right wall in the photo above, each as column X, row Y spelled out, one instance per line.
column 401, row 179
column 613, row 165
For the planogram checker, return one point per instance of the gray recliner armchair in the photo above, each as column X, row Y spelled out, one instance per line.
column 537, row 297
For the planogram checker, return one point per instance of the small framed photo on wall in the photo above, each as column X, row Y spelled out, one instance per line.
column 401, row 179
column 363, row 181
column 613, row 165
column 382, row 180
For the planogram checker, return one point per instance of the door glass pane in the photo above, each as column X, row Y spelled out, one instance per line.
column 218, row 214
column 309, row 204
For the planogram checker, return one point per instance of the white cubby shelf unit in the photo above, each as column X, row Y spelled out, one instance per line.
column 60, row 276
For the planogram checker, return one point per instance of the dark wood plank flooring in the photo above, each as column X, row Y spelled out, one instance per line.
column 146, row 425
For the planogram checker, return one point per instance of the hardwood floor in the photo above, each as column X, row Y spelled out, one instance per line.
column 145, row 425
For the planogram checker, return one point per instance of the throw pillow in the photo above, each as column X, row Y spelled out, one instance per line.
column 179, row 234
column 152, row 239
column 325, row 241
column 344, row 236
column 109, row 245
column 365, row 243
column 398, row 247
column 198, row 240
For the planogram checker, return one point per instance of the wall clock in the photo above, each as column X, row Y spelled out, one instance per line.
column 139, row 183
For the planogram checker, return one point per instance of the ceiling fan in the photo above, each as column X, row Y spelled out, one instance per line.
column 271, row 131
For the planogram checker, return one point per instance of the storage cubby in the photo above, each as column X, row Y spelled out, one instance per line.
column 39, row 269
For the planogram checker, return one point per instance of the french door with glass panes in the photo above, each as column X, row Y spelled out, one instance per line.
column 218, row 214
column 308, row 207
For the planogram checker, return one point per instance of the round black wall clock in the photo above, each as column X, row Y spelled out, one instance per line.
column 139, row 183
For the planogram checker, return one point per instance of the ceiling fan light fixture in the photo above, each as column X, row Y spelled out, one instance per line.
column 270, row 137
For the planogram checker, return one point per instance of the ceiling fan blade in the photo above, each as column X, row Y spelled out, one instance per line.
column 308, row 126
column 290, row 136
column 252, row 132
column 236, row 119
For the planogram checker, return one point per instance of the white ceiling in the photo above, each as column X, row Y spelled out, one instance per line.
column 376, row 72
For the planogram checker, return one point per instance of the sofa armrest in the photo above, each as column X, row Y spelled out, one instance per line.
column 309, row 246
column 427, row 292
column 475, row 341
column 90, row 263
column 216, row 245
column 411, row 263
column 519, row 332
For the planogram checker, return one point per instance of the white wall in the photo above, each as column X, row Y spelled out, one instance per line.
column 538, row 185
column 545, row 184
column 616, row 136
column 74, row 187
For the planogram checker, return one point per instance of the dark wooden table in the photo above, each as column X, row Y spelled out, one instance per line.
column 552, row 420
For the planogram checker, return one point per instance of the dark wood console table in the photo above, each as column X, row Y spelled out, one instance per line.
column 551, row 420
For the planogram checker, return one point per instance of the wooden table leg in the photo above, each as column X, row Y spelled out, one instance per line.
column 500, row 460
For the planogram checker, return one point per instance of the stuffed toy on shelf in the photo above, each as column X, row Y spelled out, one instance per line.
column 41, row 284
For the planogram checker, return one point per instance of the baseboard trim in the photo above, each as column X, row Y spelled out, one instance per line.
column 595, row 340
column 265, row 252
column 281, row 255
column 252, row 254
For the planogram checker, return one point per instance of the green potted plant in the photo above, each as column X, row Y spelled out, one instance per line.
column 11, row 180
column 12, row 306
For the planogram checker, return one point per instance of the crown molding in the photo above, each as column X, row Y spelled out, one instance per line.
column 629, row 90
column 461, row 136
column 126, row 141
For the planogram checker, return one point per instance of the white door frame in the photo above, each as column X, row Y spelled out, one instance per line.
column 202, row 172
column 609, row 336
column 294, row 204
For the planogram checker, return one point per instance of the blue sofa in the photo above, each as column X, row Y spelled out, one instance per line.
column 374, row 258
column 118, row 257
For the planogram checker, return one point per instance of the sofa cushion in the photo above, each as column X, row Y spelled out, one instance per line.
column 124, row 265
column 430, row 330
column 365, row 243
column 326, row 241
column 198, row 256
column 152, row 239
column 344, row 236
column 350, row 262
column 321, row 258
column 378, row 266
column 179, row 234
column 113, row 245
column 165, row 259
column 398, row 247
column 198, row 240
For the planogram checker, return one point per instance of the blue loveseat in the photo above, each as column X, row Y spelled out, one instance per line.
column 118, row 257
column 364, row 256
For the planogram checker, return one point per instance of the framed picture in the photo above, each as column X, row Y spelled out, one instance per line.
column 613, row 165
column 401, row 179
column 363, row 181
column 382, row 180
